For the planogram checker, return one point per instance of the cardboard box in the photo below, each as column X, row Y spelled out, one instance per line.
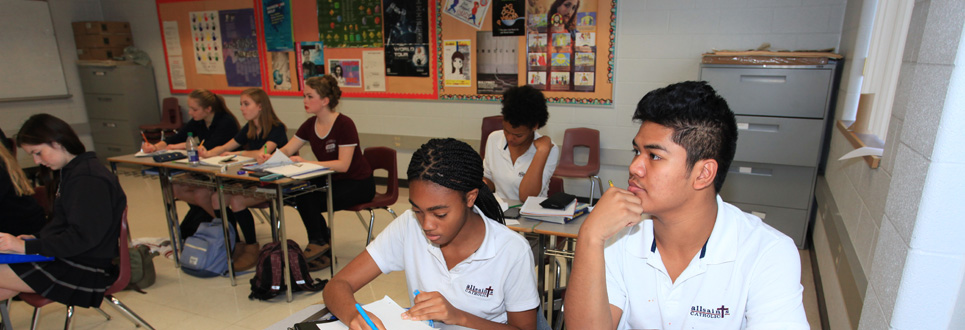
column 99, row 53
column 101, row 27
column 103, row 40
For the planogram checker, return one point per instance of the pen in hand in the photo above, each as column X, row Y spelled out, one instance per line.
column 431, row 323
column 144, row 136
column 611, row 183
column 365, row 316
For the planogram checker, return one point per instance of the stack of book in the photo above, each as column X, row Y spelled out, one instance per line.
column 531, row 209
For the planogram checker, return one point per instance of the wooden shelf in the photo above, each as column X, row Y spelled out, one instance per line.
column 873, row 161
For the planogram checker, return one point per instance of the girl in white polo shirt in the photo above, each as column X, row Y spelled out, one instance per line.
column 471, row 270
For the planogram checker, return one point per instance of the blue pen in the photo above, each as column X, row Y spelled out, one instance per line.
column 365, row 316
column 431, row 324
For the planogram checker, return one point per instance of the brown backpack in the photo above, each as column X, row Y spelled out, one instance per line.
column 269, row 280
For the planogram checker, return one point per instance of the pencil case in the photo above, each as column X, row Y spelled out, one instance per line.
column 169, row 157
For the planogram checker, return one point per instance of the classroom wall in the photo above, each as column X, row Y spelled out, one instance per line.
column 658, row 43
column 71, row 110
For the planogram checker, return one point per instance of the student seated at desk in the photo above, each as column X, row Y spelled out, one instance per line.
column 85, row 226
column 471, row 270
column 213, row 125
column 261, row 135
column 699, row 263
column 519, row 161
column 19, row 212
column 335, row 143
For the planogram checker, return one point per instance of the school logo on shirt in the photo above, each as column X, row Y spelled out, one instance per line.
column 473, row 290
column 522, row 174
column 716, row 313
column 330, row 146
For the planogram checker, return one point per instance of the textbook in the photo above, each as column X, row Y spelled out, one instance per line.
column 532, row 210
column 297, row 170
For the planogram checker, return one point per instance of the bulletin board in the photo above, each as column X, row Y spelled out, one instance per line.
column 457, row 33
column 176, row 17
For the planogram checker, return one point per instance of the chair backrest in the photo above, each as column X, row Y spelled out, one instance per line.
column 124, row 266
column 171, row 111
column 385, row 158
column 489, row 124
column 555, row 186
column 581, row 137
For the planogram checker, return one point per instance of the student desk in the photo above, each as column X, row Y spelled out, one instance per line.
column 216, row 179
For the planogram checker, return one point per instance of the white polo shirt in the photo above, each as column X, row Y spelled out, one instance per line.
column 499, row 168
column 747, row 276
column 498, row 278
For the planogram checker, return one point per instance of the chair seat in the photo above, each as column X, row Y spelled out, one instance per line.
column 567, row 170
column 380, row 200
column 34, row 299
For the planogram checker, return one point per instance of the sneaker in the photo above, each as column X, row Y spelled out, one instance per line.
column 319, row 264
column 248, row 258
column 313, row 251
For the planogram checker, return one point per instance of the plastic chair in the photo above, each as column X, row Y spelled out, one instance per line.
column 123, row 278
column 380, row 158
column 489, row 124
column 556, row 185
column 171, row 120
column 581, row 137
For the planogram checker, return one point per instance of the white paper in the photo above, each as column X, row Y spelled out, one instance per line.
column 389, row 312
column 502, row 204
column 861, row 152
column 206, row 39
column 172, row 40
column 512, row 222
column 373, row 70
column 176, row 68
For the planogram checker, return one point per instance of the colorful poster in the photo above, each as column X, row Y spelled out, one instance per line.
column 278, row 25
column 511, row 17
column 407, row 38
column 563, row 34
column 206, row 39
column 373, row 70
column 472, row 12
column 240, row 47
column 350, row 23
column 346, row 72
column 281, row 77
column 497, row 63
column 312, row 61
column 457, row 64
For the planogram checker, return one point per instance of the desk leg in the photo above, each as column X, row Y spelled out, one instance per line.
column 280, row 202
column 171, row 213
column 541, row 269
column 331, row 223
column 224, row 227
column 551, row 286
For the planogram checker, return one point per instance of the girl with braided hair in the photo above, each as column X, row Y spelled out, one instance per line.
column 471, row 270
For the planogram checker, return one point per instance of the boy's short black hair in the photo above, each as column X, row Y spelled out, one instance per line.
column 702, row 122
column 525, row 106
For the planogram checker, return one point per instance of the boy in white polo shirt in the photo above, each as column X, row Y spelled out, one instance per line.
column 699, row 263
column 471, row 270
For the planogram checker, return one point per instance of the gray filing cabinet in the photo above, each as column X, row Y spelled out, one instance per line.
column 119, row 98
column 783, row 116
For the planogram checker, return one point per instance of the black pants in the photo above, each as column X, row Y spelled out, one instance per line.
column 347, row 193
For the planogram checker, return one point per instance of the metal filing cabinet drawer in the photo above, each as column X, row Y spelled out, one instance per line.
column 117, row 132
column 762, row 91
column 106, row 106
column 787, row 141
column 769, row 184
column 792, row 222
column 119, row 97
column 102, row 79
column 105, row 150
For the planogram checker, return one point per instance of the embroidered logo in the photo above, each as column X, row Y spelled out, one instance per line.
column 522, row 174
column 330, row 147
column 716, row 313
column 473, row 290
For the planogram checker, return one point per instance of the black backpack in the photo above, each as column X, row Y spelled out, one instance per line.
column 269, row 281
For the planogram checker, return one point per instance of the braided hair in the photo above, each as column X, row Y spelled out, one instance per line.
column 455, row 165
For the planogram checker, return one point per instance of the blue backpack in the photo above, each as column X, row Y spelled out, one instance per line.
column 204, row 254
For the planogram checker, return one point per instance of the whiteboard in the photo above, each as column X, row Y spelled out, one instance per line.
column 31, row 67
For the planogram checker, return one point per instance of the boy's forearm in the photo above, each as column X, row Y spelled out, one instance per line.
column 587, row 291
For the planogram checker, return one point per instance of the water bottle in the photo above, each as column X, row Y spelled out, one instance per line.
column 192, row 150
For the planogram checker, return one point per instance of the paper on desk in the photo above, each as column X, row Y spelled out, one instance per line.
column 502, row 204
column 512, row 222
column 861, row 152
column 388, row 311
column 141, row 153
column 220, row 160
column 277, row 159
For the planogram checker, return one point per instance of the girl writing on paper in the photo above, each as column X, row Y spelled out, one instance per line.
column 84, row 228
column 261, row 135
column 471, row 270
column 19, row 212
column 335, row 144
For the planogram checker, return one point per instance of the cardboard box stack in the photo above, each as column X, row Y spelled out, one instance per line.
column 97, row 40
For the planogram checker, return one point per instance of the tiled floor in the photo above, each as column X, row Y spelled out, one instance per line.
column 180, row 301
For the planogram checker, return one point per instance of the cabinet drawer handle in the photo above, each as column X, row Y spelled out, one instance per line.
column 770, row 128
column 105, row 99
column 759, row 214
column 751, row 170
column 761, row 79
column 110, row 125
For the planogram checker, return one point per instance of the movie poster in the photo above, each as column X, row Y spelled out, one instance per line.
column 509, row 17
column 350, row 23
column 278, row 25
column 347, row 72
column 561, row 44
column 406, row 38
column 310, row 55
column 472, row 12
column 456, row 63
column 241, row 65
column 206, row 39
column 496, row 63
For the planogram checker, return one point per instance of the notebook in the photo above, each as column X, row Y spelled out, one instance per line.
column 9, row 258
column 388, row 311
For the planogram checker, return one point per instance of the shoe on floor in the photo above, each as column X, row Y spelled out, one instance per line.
column 248, row 258
column 319, row 264
column 238, row 251
column 313, row 251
